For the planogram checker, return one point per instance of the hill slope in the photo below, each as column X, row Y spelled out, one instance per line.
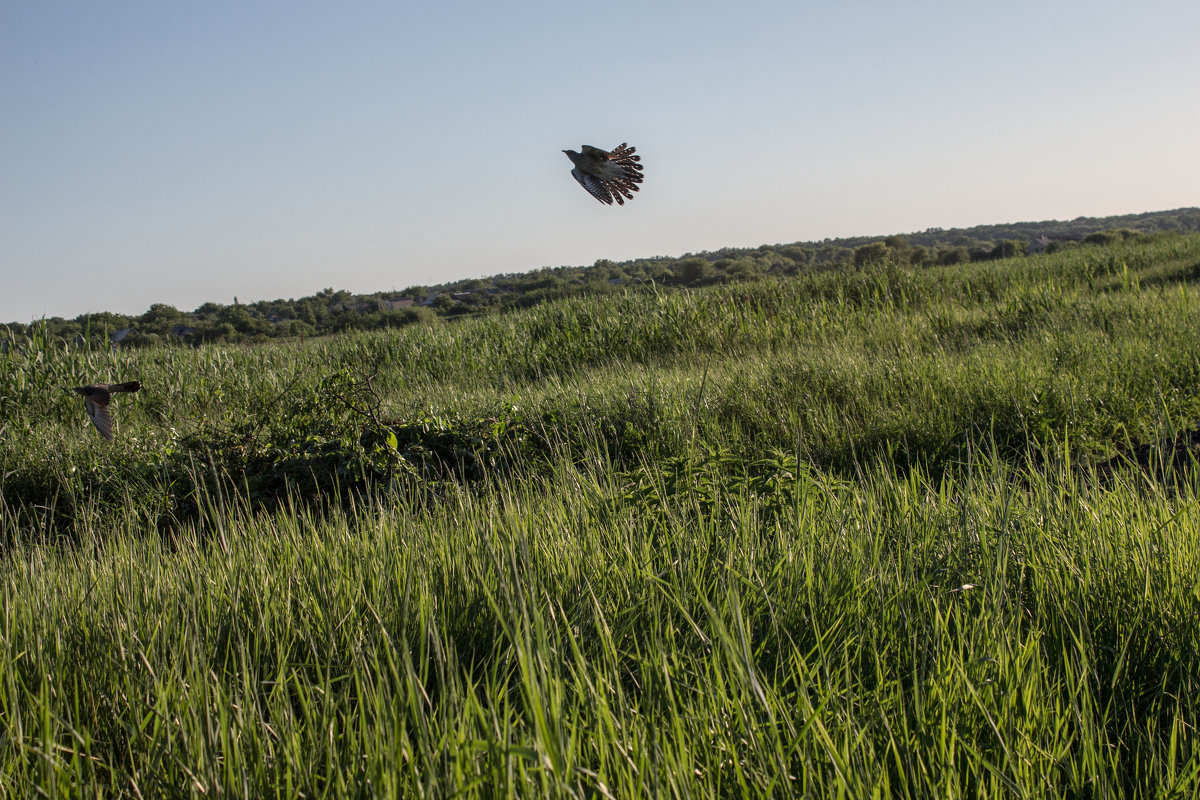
column 847, row 532
column 331, row 311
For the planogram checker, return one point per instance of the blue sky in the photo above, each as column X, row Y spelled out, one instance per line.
column 155, row 152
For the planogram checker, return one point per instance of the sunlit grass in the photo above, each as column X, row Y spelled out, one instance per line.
column 852, row 534
column 993, row 634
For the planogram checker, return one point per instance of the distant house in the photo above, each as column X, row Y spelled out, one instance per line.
column 1039, row 244
column 182, row 330
column 397, row 304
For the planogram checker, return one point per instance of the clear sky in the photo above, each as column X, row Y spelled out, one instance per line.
column 166, row 152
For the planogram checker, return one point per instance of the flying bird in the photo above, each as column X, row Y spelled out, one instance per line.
column 607, row 174
column 95, row 400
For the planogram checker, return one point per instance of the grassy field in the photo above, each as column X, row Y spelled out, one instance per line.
column 889, row 532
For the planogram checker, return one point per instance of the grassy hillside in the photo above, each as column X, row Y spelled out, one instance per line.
column 927, row 531
column 331, row 311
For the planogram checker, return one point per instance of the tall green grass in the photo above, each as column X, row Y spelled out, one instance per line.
column 1098, row 348
column 997, row 634
column 888, row 532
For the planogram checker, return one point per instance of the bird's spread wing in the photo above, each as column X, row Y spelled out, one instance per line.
column 596, row 187
column 611, row 171
column 97, row 409
column 594, row 152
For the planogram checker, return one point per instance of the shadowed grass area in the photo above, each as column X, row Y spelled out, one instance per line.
column 993, row 634
column 853, row 533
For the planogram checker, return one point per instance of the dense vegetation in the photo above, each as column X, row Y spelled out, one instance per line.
column 331, row 311
column 916, row 530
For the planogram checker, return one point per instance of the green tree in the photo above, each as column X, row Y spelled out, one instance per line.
column 1103, row 237
column 901, row 249
column 740, row 269
column 694, row 271
column 1009, row 248
column 873, row 253
column 159, row 318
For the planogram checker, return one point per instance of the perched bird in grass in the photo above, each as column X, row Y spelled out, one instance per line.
column 95, row 400
column 607, row 174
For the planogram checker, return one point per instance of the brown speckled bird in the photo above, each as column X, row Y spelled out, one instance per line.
column 607, row 174
column 95, row 400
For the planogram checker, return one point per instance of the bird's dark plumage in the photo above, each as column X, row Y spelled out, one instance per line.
column 95, row 400
column 608, row 175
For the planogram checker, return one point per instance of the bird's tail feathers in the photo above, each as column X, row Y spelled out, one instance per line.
column 626, row 189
